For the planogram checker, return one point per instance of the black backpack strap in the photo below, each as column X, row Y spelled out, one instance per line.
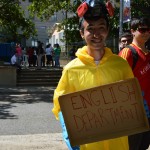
column 134, row 54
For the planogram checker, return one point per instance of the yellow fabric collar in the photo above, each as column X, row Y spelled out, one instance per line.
column 87, row 59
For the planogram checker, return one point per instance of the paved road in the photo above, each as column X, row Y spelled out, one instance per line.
column 27, row 114
column 27, row 123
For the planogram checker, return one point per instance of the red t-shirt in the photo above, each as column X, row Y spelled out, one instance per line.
column 141, row 70
column 19, row 51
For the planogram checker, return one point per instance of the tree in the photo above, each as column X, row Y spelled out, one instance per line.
column 13, row 20
column 140, row 8
column 46, row 8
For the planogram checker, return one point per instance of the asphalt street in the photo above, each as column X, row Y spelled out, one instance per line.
column 26, row 120
column 27, row 114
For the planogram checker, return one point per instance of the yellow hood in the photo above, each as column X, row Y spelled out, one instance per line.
column 87, row 59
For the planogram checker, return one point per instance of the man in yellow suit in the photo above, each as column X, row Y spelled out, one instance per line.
column 95, row 65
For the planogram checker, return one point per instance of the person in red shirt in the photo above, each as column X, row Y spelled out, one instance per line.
column 30, row 53
column 125, row 39
column 140, row 29
column 19, row 53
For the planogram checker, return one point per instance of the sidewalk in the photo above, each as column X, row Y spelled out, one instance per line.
column 33, row 142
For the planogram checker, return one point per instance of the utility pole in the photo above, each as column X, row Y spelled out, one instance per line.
column 66, row 34
column 121, row 18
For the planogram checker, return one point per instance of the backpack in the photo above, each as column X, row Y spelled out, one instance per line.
column 134, row 54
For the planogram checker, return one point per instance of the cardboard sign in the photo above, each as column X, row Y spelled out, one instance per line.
column 104, row 112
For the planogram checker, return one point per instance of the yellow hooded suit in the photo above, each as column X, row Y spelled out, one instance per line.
column 82, row 73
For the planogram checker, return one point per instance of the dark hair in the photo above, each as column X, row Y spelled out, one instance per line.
column 147, row 44
column 96, row 9
column 57, row 45
column 136, row 22
column 81, row 20
column 125, row 34
column 48, row 45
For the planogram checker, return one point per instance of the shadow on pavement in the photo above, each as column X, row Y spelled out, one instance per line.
column 5, row 113
column 12, row 99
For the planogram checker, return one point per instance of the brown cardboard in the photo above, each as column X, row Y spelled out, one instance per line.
column 104, row 112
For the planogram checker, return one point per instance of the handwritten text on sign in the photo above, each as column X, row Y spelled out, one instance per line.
column 104, row 108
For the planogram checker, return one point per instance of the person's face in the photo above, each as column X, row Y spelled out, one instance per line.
column 95, row 33
column 142, row 33
column 125, row 41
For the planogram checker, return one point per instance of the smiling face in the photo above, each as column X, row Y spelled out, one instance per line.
column 142, row 33
column 140, row 29
column 94, row 33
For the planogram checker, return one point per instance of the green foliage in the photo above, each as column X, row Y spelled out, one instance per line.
column 13, row 21
column 71, row 32
column 46, row 8
column 140, row 8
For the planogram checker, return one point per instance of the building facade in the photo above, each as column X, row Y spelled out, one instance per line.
column 42, row 27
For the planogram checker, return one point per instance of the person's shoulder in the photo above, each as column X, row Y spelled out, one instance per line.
column 124, row 50
column 120, row 63
column 75, row 63
column 117, row 57
column 51, row 48
column 119, row 60
column 125, row 53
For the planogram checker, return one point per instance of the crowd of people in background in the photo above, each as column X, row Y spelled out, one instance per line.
column 49, row 56
column 38, row 57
